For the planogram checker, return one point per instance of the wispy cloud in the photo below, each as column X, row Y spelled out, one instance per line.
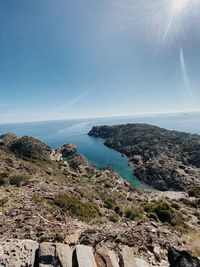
column 63, row 107
column 184, row 73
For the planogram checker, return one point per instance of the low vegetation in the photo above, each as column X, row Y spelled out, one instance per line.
column 19, row 180
column 14, row 179
column 86, row 211
column 193, row 203
column 3, row 200
column 132, row 212
column 194, row 243
column 194, row 192
column 164, row 212
column 37, row 198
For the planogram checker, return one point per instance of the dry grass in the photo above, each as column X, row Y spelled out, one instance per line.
column 194, row 243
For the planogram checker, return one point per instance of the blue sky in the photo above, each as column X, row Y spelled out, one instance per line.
column 70, row 59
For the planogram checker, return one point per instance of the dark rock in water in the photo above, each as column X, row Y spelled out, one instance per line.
column 67, row 150
column 181, row 258
column 166, row 160
column 6, row 139
column 63, row 152
column 29, row 147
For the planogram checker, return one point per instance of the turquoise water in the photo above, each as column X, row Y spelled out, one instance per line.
column 55, row 133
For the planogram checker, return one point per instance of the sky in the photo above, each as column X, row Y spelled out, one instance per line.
column 62, row 59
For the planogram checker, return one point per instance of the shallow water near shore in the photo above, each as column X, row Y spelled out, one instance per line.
column 56, row 133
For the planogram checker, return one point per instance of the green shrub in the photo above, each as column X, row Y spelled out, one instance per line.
column 191, row 203
column 152, row 216
column 175, row 205
column 194, row 192
column 37, row 198
column 19, row 179
column 3, row 178
column 164, row 212
column 132, row 212
column 85, row 211
column 109, row 204
column 3, row 201
column 114, row 218
column 117, row 209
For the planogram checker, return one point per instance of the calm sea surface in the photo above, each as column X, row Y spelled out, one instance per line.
column 56, row 133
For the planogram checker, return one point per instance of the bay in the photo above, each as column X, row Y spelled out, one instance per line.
column 56, row 133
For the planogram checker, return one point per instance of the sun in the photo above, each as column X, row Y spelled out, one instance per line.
column 178, row 5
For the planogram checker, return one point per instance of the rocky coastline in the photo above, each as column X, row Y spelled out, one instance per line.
column 166, row 160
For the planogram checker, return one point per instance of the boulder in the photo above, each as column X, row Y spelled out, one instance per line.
column 85, row 257
column 47, row 254
column 139, row 263
column 54, row 254
column 63, row 152
column 68, row 149
column 109, row 257
column 64, row 255
column 182, row 258
column 73, row 238
column 15, row 252
column 129, row 260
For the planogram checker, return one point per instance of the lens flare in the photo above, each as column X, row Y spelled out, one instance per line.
column 178, row 5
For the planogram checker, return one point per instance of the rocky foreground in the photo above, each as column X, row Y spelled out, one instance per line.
column 57, row 196
column 23, row 253
column 166, row 160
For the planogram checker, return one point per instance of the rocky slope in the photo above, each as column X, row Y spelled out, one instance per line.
column 46, row 198
column 167, row 160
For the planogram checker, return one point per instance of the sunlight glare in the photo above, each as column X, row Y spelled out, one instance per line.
column 178, row 5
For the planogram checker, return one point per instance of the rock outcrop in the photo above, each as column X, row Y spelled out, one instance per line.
column 64, row 151
column 8, row 138
column 182, row 259
column 80, row 164
column 23, row 253
column 17, row 253
column 31, row 148
column 166, row 160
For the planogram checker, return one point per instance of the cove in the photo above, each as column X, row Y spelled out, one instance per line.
column 56, row 133
column 103, row 157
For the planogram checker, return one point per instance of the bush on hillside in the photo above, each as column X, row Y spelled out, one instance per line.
column 194, row 192
column 3, row 200
column 19, row 179
column 164, row 212
column 86, row 211
column 3, row 178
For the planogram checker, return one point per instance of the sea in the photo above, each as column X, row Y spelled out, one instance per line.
column 56, row 133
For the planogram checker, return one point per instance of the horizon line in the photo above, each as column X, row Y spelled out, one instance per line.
column 103, row 117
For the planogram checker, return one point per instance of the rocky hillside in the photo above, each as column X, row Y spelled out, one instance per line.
column 166, row 160
column 46, row 197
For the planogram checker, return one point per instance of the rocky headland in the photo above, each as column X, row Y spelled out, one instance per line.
column 166, row 160
column 55, row 200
